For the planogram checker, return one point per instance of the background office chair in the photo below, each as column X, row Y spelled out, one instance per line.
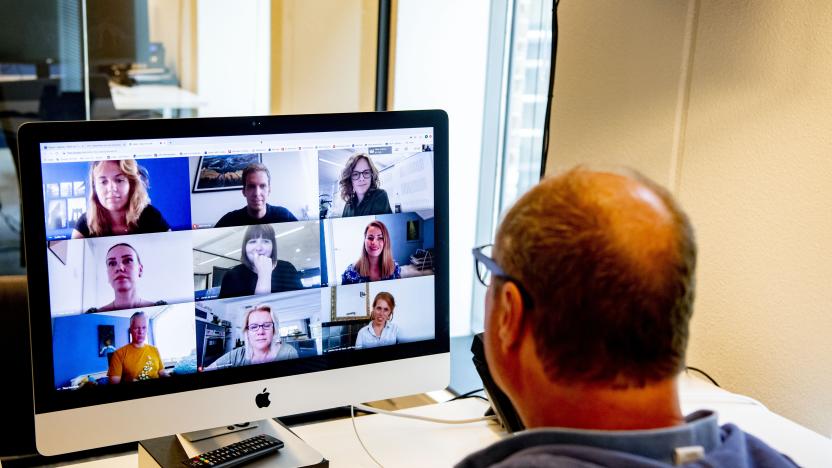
column 18, row 415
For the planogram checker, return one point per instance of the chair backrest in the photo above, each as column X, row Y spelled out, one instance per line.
column 18, row 418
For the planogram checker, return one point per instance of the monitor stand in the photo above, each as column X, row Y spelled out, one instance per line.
column 170, row 451
column 197, row 436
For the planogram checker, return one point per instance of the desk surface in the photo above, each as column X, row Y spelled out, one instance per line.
column 406, row 442
column 152, row 96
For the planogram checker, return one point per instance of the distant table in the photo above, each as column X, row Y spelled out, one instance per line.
column 166, row 98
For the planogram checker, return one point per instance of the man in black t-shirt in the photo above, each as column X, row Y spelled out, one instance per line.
column 256, row 188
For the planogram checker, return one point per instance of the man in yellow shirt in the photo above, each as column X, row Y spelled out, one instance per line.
column 136, row 360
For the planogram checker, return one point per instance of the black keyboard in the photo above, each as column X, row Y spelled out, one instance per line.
column 237, row 453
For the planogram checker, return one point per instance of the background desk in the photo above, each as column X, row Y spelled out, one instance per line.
column 406, row 442
column 166, row 98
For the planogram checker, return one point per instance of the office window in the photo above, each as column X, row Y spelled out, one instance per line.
column 527, row 90
column 520, row 44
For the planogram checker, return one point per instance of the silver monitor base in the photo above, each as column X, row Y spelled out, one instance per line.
column 196, row 436
column 170, row 452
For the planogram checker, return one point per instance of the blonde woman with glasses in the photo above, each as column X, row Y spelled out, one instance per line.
column 261, row 342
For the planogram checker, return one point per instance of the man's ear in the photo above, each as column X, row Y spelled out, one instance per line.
column 510, row 318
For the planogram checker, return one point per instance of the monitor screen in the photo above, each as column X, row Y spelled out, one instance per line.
column 29, row 31
column 191, row 268
column 118, row 31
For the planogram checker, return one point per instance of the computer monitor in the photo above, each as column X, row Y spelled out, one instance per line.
column 161, row 301
column 30, row 33
column 118, row 32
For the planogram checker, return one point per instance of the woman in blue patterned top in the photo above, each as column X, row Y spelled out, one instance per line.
column 376, row 262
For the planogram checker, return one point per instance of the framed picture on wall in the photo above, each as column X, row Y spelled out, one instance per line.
column 57, row 214
column 350, row 302
column 222, row 172
column 106, row 340
column 413, row 231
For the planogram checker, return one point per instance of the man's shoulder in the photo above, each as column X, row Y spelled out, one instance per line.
column 82, row 226
column 232, row 218
column 740, row 448
column 278, row 214
column 550, row 448
column 150, row 211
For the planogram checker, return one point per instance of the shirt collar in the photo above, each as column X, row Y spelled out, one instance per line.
column 373, row 330
column 700, row 429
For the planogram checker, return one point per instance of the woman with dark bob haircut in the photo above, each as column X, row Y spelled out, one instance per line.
column 260, row 272
column 360, row 188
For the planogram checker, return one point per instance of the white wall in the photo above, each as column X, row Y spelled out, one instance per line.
column 440, row 55
column 68, row 277
column 294, row 178
column 409, row 183
column 324, row 56
column 233, row 57
column 727, row 104
column 174, row 331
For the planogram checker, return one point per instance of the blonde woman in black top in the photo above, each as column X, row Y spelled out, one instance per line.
column 118, row 203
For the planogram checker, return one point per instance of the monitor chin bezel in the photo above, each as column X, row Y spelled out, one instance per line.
column 78, row 429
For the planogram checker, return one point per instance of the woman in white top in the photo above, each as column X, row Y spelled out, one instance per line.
column 381, row 331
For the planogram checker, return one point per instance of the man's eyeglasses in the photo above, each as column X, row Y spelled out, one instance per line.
column 253, row 327
column 486, row 267
column 365, row 174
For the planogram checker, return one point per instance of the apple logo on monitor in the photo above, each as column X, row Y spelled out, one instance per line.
column 262, row 399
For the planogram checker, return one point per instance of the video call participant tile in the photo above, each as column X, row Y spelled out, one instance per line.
column 379, row 248
column 122, row 272
column 256, row 259
column 258, row 188
column 255, row 330
column 116, row 197
column 124, row 346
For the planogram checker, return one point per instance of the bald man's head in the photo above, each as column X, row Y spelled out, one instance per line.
column 608, row 260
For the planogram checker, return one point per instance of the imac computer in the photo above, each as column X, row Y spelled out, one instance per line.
column 194, row 273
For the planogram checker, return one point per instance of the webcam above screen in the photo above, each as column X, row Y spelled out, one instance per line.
column 197, row 273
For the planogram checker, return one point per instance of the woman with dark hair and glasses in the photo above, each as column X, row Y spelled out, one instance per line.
column 360, row 188
column 261, row 343
column 260, row 272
